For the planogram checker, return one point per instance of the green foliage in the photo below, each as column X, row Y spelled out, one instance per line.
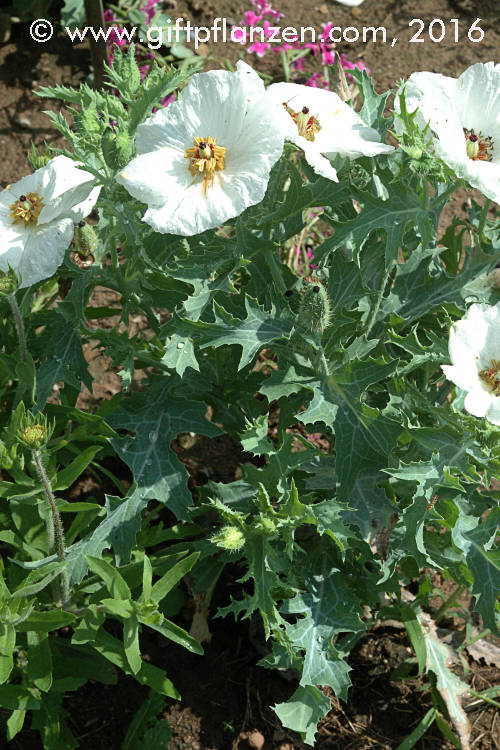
column 360, row 464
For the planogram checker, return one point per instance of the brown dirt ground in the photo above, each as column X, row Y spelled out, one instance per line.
column 224, row 693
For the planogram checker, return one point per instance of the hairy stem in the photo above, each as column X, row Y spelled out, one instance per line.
column 56, row 534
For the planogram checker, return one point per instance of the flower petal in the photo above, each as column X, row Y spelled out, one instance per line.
column 157, row 177
column 478, row 402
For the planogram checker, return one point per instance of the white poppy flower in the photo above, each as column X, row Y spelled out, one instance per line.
column 206, row 157
column 322, row 125
column 37, row 218
column 474, row 348
column 464, row 116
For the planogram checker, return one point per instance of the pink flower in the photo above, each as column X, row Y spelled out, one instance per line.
column 238, row 35
column 149, row 10
column 251, row 18
column 299, row 64
column 165, row 101
column 348, row 65
column 260, row 48
column 317, row 81
column 328, row 57
column 326, row 31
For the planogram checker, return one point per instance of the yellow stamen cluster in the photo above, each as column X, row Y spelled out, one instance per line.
column 307, row 124
column 491, row 376
column 205, row 158
column 26, row 209
column 479, row 147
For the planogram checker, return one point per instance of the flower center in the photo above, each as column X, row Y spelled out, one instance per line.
column 205, row 158
column 27, row 208
column 491, row 376
column 479, row 147
column 307, row 124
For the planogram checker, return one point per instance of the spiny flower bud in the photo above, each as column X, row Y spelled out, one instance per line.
column 86, row 239
column 315, row 307
column 34, row 431
column 8, row 282
column 229, row 537
column 34, row 436
column 39, row 159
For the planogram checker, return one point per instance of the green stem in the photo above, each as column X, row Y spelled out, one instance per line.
column 57, row 531
column 286, row 66
column 18, row 322
column 448, row 603
column 112, row 247
column 376, row 307
column 484, row 698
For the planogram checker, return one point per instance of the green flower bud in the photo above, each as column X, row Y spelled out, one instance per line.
column 34, row 436
column 315, row 311
column 116, row 149
column 229, row 537
column 8, row 282
column 85, row 239
column 39, row 159
column 34, row 432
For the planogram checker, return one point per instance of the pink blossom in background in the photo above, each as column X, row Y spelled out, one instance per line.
column 260, row 48
column 265, row 8
column 251, row 19
column 317, row 81
column 327, row 56
column 348, row 65
column 300, row 263
column 238, row 35
column 165, row 101
column 149, row 10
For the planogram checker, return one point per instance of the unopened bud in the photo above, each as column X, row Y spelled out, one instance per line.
column 37, row 158
column 85, row 239
column 229, row 537
column 8, row 282
column 34, row 436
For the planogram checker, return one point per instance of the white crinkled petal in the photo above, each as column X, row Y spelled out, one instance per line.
column 221, row 105
column 478, row 402
column 318, row 162
column 451, row 105
column 158, row 177
column 62, row 186
column 243, row 183
column 212, row 104
column 36, row 252
column 466, row 378
column 342, row 130
column 468, row 336
column 253, row 84
column 478, row 99
column 83, row 209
